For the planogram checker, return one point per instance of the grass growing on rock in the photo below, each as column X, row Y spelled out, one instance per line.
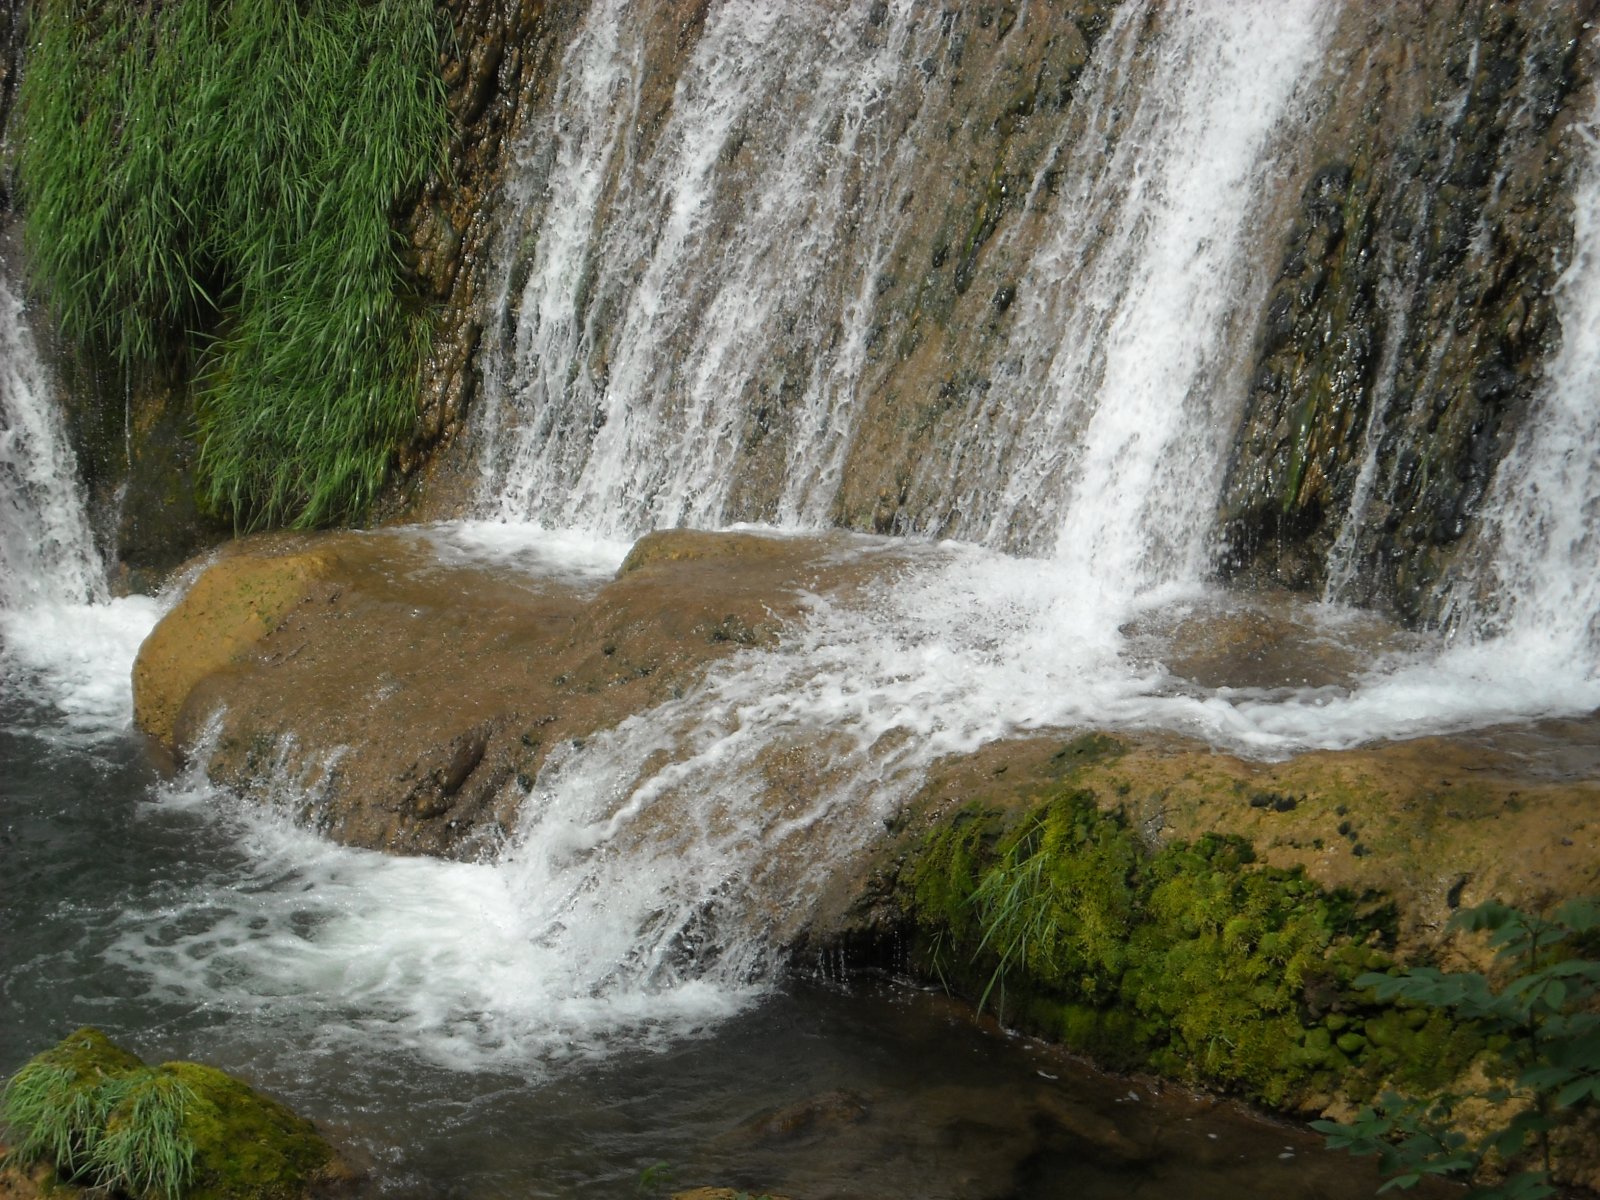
column 219, row 178
column 102, row 1118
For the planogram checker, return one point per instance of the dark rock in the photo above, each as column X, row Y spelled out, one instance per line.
column 1413, row 306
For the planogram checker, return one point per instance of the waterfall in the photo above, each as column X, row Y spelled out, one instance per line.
column 661, row 280
column 716, row 263
column 1537, row 589
column 47, row 552
column 673, row 279
column 1117, row 425
column 63, row 641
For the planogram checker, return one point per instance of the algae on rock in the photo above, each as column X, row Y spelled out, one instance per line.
column 1191, row 959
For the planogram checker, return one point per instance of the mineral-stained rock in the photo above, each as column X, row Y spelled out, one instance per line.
column 414, row 700
column 236, row 602
column 1402, row 343
column 1432, row 824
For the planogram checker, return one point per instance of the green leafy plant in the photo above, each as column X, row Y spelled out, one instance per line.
column 1060, row 902
column 1540, row 1006
column 214, row 180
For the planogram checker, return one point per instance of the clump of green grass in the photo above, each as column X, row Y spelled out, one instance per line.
column 144, row 1148
column 179, row 1131
column 211, row 184
column 97, row 1114
column 53, row 1117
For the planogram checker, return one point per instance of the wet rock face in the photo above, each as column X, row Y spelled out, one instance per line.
column 10, row 61
column 413, row 701
column 986, row 95
column 1403, row 339
column 499, row 57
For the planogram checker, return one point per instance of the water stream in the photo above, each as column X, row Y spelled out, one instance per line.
column 433, row 1013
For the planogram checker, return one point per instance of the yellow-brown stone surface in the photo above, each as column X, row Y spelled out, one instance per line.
column 414, row 699
column 232, row 606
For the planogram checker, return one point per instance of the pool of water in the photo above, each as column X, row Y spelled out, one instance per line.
column 126, row 892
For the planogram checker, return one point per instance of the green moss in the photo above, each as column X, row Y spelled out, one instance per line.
column 1193, row 959
column 207, row 187
column 247, row 1147
column 98, row 1115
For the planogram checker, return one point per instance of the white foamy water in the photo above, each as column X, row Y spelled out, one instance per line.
column 559, row 553
column 63, row 643
column 1106, row 442
column 661, row 279
column 77, row 660
column 466, row 965
column 47, row 553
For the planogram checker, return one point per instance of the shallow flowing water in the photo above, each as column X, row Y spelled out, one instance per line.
column 378, row 996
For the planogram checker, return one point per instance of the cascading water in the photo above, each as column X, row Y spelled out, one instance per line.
column 47, row 553
column 59, row 631
column 694, row 303
column 661, row 278
column 665, row 280
column 1539, row 593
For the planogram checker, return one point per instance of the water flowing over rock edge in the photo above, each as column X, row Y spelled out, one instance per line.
column 1404, row 832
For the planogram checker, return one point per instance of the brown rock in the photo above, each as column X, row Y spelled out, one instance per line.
column 1433, row 823
column 414, row 701
column 233, row 605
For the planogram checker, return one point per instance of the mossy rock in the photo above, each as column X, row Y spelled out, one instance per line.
column 248, row 1146
column 240, row 1145
column 1190, row 958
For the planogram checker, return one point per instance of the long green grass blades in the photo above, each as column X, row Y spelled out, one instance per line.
column 144, row 1150
column 123, row 1131
column 53, row 1114
column 221, row 176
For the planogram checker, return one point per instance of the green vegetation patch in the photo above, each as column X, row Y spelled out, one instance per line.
column 217, row 178
column 1192, row 959
column 102, row 1118
column 1539, row 1007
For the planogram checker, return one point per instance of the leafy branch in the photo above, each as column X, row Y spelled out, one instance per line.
column 1539, row 1007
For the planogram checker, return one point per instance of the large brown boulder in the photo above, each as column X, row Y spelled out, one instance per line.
column 412, row 700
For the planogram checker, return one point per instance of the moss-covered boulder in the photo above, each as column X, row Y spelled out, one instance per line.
column 87, row 1112
column 1158, row 905
column 1190, row 958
